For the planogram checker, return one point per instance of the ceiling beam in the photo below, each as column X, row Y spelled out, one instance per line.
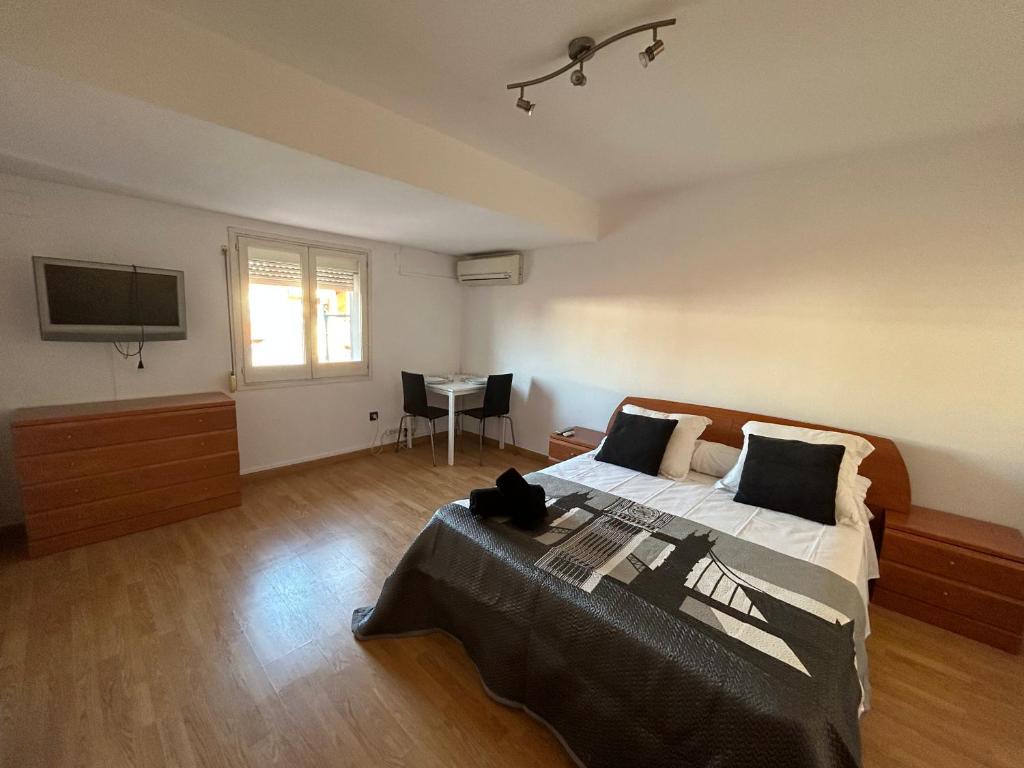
column 133, row 49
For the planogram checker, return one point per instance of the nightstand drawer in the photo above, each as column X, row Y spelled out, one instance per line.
column 978, row 604
column 956, row 563
column 559, row 451
column 940, row 617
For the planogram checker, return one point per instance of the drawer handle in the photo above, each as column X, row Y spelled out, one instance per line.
column 952, row 563
column 945, row 593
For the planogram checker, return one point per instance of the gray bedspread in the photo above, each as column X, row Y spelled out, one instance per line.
column 640, row 638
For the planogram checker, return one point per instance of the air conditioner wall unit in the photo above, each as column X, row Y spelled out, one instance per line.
column 494, row 269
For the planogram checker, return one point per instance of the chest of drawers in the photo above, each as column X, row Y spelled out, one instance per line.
column 94, row 471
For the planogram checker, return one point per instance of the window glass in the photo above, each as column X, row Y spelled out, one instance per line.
column 337, row 321
column 276, row 308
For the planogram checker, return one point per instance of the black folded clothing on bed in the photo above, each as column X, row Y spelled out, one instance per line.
column 513, row 484
column 489, row 502
column 531, row 514
column 514, row 498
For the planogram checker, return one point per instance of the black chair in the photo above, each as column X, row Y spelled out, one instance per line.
column 414, row 390
column 496, row 403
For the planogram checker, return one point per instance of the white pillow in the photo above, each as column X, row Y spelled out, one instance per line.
column 675, row 464
column 861, row 485
column 715, row 459
column 857, row 449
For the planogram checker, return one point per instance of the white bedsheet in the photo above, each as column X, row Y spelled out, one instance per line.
column 843, row 549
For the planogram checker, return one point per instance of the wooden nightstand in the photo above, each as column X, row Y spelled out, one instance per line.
column 961, row 574
column 562, row 448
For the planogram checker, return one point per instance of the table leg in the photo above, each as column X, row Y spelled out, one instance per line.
column 451, row 428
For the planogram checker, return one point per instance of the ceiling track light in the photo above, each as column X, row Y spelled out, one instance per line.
column 582, row 49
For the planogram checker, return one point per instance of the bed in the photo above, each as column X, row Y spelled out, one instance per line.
column 706, row 633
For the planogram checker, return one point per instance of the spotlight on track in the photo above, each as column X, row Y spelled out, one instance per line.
column 650, row 53
column 525, row 104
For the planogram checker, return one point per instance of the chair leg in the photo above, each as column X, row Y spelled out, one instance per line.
column 398, row 439
column 433, row 458
column 483, row 428
column 512, row 426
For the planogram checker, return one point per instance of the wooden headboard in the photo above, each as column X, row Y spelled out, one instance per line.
column 890, row 484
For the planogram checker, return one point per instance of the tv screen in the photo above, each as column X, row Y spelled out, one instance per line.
column 90, row 301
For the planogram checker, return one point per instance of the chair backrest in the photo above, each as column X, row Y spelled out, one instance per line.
column 414, row 392
column 497, row 394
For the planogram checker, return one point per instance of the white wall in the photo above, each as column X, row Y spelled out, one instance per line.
column 883, row 293
column 415, row 323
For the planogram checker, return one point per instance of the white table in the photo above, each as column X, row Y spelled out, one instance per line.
column 453, row 389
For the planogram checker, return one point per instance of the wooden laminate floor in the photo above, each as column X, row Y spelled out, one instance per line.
column 224, row 641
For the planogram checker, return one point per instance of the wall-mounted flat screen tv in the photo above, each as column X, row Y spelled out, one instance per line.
column 91, row 301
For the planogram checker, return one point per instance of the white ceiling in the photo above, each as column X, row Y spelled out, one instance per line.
column 741, row 84
column 57, row 130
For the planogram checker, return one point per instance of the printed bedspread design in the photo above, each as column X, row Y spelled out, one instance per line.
column 640, row 637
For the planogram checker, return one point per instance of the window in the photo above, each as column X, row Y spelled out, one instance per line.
column 300, row 310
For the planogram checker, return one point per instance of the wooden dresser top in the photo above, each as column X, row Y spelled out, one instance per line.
column 979, row 535
column 46, row 414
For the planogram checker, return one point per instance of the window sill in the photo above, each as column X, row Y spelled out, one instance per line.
column 356, row 377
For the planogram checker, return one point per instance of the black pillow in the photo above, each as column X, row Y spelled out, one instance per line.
column 791, row 476
column 637, row 442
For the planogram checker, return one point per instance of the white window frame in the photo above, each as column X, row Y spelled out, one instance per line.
column 312, row 371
